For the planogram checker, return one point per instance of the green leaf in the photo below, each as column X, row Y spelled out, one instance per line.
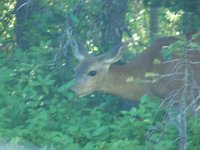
column 133, row 111
column 66, row 86
column 89, row 146
column 100, row 131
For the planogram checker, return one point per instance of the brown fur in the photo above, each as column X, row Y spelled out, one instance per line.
column 131, row 80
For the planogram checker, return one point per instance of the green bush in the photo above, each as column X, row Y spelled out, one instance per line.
column 38, row 110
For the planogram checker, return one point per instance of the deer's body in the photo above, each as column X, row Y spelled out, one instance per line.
column 129, row 80
column 120, row 78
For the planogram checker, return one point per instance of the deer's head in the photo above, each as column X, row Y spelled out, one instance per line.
column 90, row 74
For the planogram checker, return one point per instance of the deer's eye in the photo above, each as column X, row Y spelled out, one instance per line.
column 92, row 73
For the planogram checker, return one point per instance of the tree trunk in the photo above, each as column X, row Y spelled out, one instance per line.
column 22, row 11
column 153, row 22
column 114, row 22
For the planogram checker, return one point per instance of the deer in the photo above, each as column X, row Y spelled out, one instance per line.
column 150, row 73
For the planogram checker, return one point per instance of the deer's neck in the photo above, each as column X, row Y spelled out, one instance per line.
column 126, row 81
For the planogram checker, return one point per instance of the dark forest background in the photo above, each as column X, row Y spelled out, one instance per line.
column 37, row 109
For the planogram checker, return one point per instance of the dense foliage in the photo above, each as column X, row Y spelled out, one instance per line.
column 37, row 109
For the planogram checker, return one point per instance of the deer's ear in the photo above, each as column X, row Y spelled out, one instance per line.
column 115, row 54
column 78, row 49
